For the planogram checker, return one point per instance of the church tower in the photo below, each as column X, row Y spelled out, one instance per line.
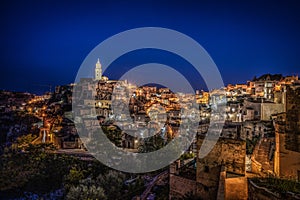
column 98, row 71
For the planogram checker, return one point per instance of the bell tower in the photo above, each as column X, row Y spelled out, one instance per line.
column 98, row 71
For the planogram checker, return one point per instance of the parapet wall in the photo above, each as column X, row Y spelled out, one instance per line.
column 256, row 192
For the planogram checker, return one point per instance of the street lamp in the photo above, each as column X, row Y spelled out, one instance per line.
column 44, row 122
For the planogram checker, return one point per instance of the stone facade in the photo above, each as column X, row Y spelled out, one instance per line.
column 287, row 128
column 268, row 109
column 236, row 188
column 219, row 175
column 251, row 110
column 262, row 157
column 229, row 153
column 256, row 128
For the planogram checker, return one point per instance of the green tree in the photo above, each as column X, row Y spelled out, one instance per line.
column 112, row 183
column 73, row 178
column 151, row 144
column 24, row 140
column 86, row 192
column 114, row 134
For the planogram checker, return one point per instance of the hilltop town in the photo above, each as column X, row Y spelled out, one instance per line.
column 259, row 141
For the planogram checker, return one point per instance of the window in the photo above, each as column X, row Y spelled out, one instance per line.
column 205, row 188
column 206, row 169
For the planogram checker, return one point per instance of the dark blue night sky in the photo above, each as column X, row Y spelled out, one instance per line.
column 45, row 42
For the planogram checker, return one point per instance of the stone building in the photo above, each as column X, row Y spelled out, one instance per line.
column 256, row 128
column 264, row 85
column 287, row 133
column 98, row 70
column 251, row 109
column 270, row 108
column 219, row 175
column 227, row 153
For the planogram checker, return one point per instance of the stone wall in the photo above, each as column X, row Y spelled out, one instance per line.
column 255, row 105
column 268, row 109
column 236, row 188
column 260, row 193
column 256, row 167
column 227, row 153
column 292, row 128
column 260, row 161
column 208, row 182
column 212, row 179
column 221, row 187
column 287, row 128
column 286, row 163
